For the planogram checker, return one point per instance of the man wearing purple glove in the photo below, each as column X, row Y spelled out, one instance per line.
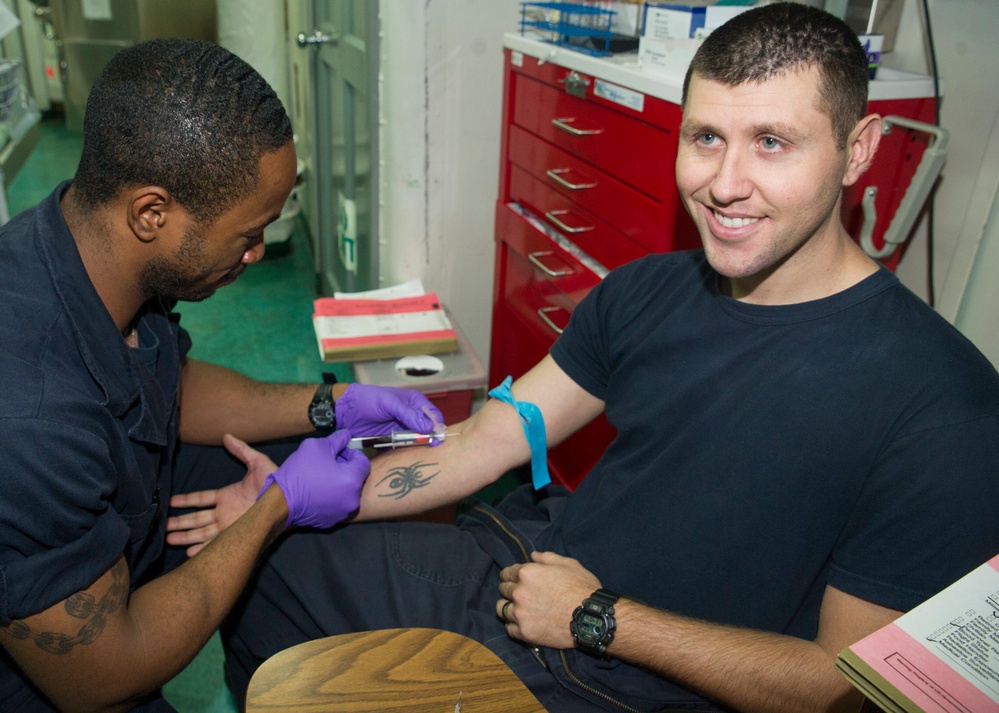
column 187, row 156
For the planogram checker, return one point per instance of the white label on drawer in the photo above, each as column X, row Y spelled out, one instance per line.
column 619, row 95
column 517, row 59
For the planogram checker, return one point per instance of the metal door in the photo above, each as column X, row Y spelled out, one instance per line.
column 89, row 34
column 344, row 143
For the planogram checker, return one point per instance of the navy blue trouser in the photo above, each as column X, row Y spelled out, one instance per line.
column 368, row 576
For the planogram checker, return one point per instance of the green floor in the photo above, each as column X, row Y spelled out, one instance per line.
column 261, row 325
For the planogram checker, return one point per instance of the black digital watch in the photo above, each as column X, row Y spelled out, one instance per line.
column 322, row 411
column 593, row 623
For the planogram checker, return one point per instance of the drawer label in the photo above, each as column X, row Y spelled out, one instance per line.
column 517, row 58
column 619, row 95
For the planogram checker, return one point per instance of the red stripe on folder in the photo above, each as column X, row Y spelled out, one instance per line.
column 337, row 307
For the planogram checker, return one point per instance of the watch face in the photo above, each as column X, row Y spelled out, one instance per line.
column 323, row 414
column 593, row 623
column 590, row 627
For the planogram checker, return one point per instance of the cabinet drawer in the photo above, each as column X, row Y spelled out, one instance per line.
column 600, row 241
column 635, row 152
column 548, row 262
column 541, row 307
column 633, row 213
column 649, row 109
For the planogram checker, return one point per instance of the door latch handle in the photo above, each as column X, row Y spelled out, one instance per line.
column 317, row 38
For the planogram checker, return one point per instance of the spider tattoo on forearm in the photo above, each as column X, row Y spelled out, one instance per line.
column 403, row 480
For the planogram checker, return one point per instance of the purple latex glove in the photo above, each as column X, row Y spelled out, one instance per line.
column 367, row 410
column 321, row 481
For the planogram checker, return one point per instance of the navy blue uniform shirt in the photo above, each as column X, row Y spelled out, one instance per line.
column 88, row 426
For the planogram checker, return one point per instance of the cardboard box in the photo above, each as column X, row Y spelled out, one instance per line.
column 872, row 46
column 664, row 21
column 669, row 58
column 671, row 22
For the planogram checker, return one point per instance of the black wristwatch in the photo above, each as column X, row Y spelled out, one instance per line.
column 322, row 412
column 593, row 623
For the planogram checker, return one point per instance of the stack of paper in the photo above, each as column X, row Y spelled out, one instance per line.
column 381, row 325
column 941, row 656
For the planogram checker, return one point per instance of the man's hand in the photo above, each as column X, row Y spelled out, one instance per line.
column 321, row 481
column 544, row 593
column 367, row 410
column 223, row 506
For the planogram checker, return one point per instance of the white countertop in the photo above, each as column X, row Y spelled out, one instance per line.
column 624, row 69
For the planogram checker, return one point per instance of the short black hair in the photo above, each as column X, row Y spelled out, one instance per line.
column 183, row 114
column 772, row 40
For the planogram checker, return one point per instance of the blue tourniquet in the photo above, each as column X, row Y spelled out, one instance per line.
column 534, row 429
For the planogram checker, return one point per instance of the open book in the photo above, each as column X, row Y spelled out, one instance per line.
column 360, row 329
column 941, row 656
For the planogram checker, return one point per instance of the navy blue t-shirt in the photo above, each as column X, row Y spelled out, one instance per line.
column 764, row 452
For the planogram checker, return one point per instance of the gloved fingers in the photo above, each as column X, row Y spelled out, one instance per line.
column 354, row 457
column 415, row 420
column 413, row 410
column 390, row 403
column 308, row 449
column 437, row 425
column 433, row 416
column 337, row 441
column 370, row 410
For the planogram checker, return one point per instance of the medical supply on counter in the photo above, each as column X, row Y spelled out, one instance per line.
column 573, row 25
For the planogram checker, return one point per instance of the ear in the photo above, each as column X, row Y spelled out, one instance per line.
column 862, row 144
column 148, row 212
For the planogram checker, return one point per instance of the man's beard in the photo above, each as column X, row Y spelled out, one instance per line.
column 183, row 277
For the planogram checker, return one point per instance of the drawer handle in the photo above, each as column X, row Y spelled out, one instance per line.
column 536, row 259
column 565, row 125
column 553, row 216
column 555, row 175
column 543, row 313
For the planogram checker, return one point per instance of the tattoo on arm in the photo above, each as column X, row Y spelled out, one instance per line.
column 83, row 606
column 402, row 480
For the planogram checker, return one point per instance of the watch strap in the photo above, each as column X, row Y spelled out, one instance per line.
column 605, row 597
